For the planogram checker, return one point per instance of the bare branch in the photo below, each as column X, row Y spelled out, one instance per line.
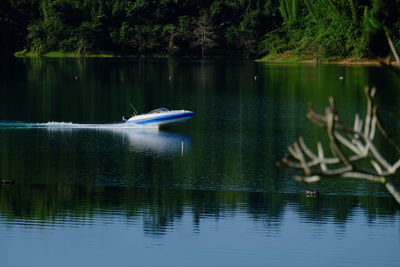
column 306, row 149
column 359, row 144
column 347, row 143
column 360, row 175
column 302, row 160
column 376, row 166
column 369, row 112
column 373, row 123
column 338, row 171
column 395, row 166
column 375, row 153
column 392, row 47
column 357, row 124
column 336, row 150
column 321, row 157
column 308, row 179
column 383, row 131
column 392, row 190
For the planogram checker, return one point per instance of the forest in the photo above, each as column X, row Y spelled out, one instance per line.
column 322, row 29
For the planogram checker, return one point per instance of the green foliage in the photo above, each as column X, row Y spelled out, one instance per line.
column 368, row 15
column 275, row 42
column 45, row 36
column 318, row 28
column 332, row 29
column 289, row 10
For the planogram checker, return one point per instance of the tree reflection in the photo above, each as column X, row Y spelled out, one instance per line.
column 159, row 210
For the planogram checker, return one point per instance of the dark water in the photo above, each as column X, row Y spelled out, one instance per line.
column 90, row 193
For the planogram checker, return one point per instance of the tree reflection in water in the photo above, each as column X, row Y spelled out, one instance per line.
column 160, row 209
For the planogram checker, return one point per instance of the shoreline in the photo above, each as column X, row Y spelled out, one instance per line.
column 277, row 59
column 291, row 59
column 57, row 54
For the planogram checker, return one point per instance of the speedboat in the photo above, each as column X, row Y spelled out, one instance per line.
column 160, row 117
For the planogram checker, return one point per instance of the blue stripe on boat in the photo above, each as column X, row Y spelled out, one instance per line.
column 162, row 118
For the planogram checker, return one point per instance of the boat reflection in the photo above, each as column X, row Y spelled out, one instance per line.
column 155, row 141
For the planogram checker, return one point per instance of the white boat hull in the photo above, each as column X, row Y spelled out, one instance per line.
column 161, row 119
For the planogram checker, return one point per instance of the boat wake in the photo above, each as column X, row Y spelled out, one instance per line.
column 70, row 125
column 142, row 138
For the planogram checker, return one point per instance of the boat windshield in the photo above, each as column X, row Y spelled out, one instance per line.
column 159, row 110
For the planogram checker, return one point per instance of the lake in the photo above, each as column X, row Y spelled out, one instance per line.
column 204, row 193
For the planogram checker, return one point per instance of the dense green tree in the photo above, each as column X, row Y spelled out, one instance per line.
column 170, row 33
column 203, row 34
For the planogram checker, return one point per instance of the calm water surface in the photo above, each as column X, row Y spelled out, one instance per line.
column 90, row 193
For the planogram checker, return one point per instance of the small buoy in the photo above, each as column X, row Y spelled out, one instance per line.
column 340, row 77
column 312, row 193
column 76, row 77
column 256, row 77
column 170, row 77
column 10, row 182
